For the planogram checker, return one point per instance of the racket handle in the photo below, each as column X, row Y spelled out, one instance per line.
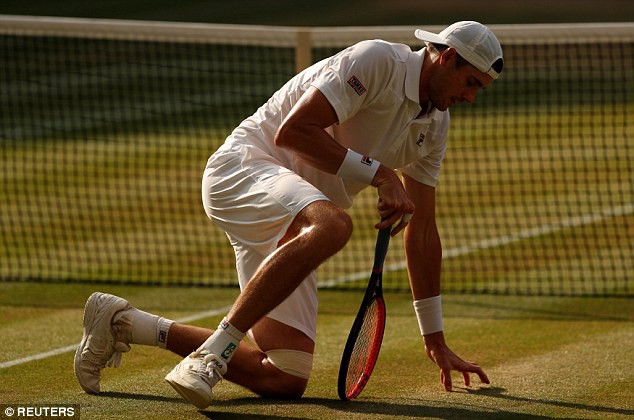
column 382, row 243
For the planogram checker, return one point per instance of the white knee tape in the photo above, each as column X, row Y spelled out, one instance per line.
column 293, row 362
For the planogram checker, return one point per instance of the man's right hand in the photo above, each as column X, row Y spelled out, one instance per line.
column 394, row 202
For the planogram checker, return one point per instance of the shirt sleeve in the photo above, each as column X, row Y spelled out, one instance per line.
column 426, row 170
column 355, row 76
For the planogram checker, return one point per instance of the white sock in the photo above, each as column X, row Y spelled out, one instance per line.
column 139, row 327
column 224, row 341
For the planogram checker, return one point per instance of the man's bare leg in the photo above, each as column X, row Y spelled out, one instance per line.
column 250, row 366
column 117, row 325
column 318, row 232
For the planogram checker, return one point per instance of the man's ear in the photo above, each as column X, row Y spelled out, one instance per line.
column 447, row 55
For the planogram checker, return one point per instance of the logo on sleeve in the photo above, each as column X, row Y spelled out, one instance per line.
column 421, row 140
column 357, row 85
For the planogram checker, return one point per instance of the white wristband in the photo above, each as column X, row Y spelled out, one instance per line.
column 429, row 314
column 358, row 167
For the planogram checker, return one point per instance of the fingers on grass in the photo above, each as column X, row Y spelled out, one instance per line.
column 478, row 370
column 445, row 379
column 467, row 379
column 483, row 377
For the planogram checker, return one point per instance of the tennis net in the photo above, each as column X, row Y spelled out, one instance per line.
column 106, row 127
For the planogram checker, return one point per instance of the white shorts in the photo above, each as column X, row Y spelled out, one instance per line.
column 254, row 199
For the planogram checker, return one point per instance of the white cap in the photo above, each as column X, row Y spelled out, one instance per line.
column 473, row 41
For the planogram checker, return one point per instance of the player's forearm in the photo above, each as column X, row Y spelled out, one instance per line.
column 318, row 149
column 423, row 251
column 313, row 145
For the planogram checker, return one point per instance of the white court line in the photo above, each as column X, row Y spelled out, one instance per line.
column 62, row 350
column 570, row 222
column 38, row 356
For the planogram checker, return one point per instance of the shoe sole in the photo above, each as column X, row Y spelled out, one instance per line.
column 91, row 313
column 187, row 393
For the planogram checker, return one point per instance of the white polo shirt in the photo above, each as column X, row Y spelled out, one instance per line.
column 374, row 88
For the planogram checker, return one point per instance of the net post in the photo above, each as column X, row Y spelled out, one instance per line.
column 303, row 50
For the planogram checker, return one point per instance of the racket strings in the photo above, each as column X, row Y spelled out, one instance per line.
column 367, row 346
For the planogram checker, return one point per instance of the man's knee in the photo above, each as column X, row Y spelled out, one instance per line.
column 331, row 221
column 292, row 370
column 285, row 387
column 341, row 228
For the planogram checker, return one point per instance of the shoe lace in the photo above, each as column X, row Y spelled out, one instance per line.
column 120, row 346
column 210, row 373
column 115, row 359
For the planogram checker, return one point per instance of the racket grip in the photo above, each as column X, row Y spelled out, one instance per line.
column 382, row 244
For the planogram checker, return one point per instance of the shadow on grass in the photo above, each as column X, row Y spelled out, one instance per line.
column 418, row 408
column 341, row 408
column 393, row 407
column 209, row 412
column 387, row 408
column 140, row 397
column 497, row 392
column 216, row 415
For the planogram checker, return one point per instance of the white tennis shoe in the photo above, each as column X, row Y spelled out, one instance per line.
column 195, row 376
column 100, row 345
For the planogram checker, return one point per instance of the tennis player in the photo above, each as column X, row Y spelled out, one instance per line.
column 278, row 187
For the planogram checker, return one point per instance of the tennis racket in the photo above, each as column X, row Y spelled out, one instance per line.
column 366, row 335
